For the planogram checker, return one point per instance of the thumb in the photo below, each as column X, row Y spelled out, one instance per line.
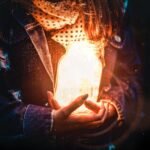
column 53, row 103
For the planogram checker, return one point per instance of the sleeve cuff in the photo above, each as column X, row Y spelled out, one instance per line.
column 116, row 98
column 118, row 108
column 37, row 121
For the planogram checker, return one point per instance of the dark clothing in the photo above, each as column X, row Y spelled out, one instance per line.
column 24, row 80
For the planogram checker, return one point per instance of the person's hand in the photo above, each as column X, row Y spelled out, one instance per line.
column 67, row 122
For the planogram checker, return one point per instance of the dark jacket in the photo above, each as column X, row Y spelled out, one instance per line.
column 24, row 80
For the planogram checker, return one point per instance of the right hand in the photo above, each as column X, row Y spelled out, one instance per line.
column 65, row 122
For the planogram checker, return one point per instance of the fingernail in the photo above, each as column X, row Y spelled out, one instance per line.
column 85, row 96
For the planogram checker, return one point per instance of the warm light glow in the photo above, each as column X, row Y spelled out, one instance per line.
column 79, row 72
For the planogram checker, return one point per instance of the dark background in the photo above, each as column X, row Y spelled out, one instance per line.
column 138, row 14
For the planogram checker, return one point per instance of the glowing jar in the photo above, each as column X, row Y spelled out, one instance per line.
column 79, row 72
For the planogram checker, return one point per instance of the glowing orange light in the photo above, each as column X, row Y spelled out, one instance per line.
column 79, row 72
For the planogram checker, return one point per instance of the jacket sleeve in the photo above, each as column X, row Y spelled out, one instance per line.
column 124, row 91
column 17, row 118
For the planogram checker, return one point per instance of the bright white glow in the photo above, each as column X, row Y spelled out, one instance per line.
column 79, row 72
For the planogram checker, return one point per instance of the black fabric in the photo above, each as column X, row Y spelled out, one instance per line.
column 37, row 121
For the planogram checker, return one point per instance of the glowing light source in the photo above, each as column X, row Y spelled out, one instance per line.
column 79, row 72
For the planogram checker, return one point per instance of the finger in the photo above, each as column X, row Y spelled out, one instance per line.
column 97, row 124
column 53, row 103
column 66, row 111
column 92, row 116
column 86, row 118
column 79, row 119
column 106, row 105
column 92, row 106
